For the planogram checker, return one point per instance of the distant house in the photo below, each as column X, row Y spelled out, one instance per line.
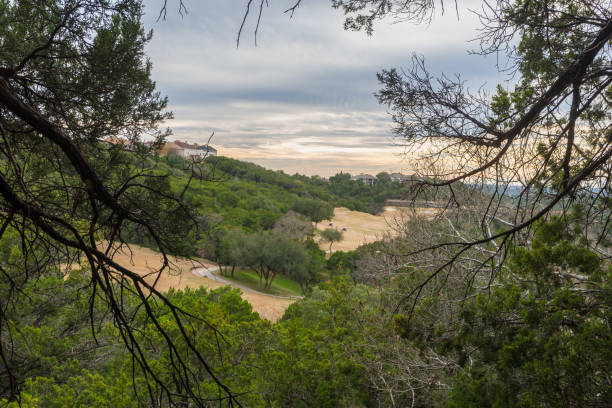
column 119, row 141
column 187, row 150
column 366, row 178
column 399, row 177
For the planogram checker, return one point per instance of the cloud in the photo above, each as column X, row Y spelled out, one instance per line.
column 303, row 99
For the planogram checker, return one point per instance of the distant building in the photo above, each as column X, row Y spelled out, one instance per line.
column 399, row 177
column 119, row 141
column 366, row 178
column 187, row 150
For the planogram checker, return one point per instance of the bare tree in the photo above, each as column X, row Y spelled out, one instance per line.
column 294, row 225
column 538, row 148
column 360, row 14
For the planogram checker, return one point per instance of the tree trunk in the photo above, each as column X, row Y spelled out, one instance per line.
column 232, row 272
column 269, row 283
column 267, row 279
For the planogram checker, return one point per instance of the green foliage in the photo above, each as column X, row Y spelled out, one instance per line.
column 235, row 247
column 228, row 199
column 298, row 362
column 501, row 103
column 312, row 273
column 48, row 321
column 341, row 261
column 383, row 177
column 358, row 196
column 310, row 196
column 543, row 337
column 272, row 254
column 316, row 210
column 281, row 286
column 97, row 75
column 82, row 391
column 331, row 235
column 243, row 196
column 540, row 338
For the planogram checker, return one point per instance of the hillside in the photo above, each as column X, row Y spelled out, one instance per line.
column 240, row 184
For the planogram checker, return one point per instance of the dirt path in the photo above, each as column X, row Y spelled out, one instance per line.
column 145, row 262
column 209, row 272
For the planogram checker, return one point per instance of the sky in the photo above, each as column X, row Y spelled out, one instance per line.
column 302, row 98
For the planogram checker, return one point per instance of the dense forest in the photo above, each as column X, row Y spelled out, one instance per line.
column 500, row 296
column 540, row 339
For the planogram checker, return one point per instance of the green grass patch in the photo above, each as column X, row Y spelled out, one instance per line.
column 280, row 285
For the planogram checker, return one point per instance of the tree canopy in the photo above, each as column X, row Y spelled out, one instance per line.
column 331, row 235
column 73, row 74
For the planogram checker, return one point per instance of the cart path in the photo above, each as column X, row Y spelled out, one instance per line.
column 210, row 274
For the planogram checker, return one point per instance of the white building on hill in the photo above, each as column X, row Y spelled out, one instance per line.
column 187, row 150
column 399, row 177
column 366, row 178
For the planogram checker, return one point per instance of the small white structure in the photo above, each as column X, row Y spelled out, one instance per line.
column 366, row 178
column 399, row 177
column 187, row 150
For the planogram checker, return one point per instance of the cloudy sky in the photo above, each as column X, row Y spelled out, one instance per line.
column 302, row 100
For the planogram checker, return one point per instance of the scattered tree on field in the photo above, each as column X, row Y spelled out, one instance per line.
column 270, row 254
column 234, row 249
column 331, row 235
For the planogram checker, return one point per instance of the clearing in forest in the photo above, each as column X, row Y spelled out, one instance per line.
column 363, row 228
column 145, row 261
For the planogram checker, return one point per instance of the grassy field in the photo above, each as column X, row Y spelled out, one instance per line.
column 363, row 228
column 280, row 285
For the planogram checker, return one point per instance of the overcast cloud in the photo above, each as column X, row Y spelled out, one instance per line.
column 302, row 100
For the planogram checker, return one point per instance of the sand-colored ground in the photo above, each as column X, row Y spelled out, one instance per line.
column 362, row 228
column 144, row 261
